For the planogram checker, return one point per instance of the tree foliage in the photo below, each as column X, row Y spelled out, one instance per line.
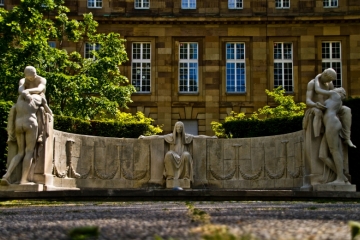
column 286, row 109
column 76, row 86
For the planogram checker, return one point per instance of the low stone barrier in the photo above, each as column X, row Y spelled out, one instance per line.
column 273, row 162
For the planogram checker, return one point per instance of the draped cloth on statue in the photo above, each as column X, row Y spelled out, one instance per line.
column 314, row 134
column 178, row 161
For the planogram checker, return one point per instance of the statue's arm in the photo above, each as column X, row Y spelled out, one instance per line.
column 40, row 88
column 21, row 85
column 152, row 137
column 319, row 90
column 203, row 136
column 310, row 94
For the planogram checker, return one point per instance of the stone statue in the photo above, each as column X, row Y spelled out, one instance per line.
column 27, row 123
column 178, row 161
column 333, row 130
column 325, row 121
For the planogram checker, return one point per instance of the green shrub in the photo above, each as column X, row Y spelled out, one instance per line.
column 4, row 112
column 125, row 126
column 286, row 117
column 246, row 128
column 354, row 163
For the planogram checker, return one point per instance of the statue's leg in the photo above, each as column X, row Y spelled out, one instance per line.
column 317, row 122
column 185, row 171
column 323, row 154
column 334, row 143
column 20, row 138
column 11, row 125
column 169, row 166
column 345, row 118
column 31, row 134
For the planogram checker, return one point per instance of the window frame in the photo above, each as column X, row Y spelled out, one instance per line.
column 188, row 61
column 52, row 44
column 329, row 3
column 95, row 47
column 332, row 60
column 96, row 4
column 2, row 2
column 282, row 4
column 141, row 61
column 235, row 3
column 284, row 61
column 235, row 61
column 188, row 4
column 141, row 4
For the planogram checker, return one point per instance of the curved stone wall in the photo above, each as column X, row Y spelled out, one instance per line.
column 273, row 162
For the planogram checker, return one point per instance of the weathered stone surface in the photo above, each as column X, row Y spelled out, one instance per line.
column 334, row 188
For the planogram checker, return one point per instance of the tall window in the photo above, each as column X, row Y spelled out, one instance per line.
column 330, row 3
column 2, row 2
column 331, row 58
column 145, row 4
column 89, row 47
column 283, row 66
column 188, row 67
column 235, row 67
column 52, row 44
column 235, row 4
column 141, row 66
column 282, row 3
column 94, row 3
column 188, row 4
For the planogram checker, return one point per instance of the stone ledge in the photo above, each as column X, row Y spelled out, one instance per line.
column 22, row 188
column 190, row 194
column 334, row 188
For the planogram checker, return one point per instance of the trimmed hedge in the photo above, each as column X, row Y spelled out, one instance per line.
column 354, row 163
column 100, row 128
column 4, row 112
column 247, row 128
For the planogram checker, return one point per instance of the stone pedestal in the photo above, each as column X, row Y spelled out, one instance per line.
column 22, row 188
column 334, row 188
column 183, row 183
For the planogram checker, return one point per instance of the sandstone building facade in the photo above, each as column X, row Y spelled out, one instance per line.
column 198, row 60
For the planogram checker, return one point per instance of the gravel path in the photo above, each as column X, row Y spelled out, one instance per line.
column 146, row 220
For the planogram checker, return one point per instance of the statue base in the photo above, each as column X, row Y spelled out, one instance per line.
column 334, row 188
column 22, row 188
column 183, row 183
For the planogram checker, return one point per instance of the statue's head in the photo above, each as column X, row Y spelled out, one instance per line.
column 328, row 75
column 341, row 91
column 179, row 127
column 30, row 73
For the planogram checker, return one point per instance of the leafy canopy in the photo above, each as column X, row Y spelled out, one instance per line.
column 79, row 87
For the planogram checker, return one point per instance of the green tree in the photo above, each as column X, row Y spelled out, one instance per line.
column 79, row 87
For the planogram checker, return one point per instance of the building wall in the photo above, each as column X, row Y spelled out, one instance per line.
column 306, row 24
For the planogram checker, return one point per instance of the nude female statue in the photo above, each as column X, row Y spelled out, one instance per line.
column 333, row 127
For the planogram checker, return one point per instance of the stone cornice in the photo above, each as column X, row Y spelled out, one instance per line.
column 228, row 20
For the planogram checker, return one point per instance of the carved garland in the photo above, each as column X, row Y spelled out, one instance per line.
column 226, row 177
column 249, row 176
column 78, row 175
column 129, row 176
column 275, row 176
column 105, row 176
column 295, row 174
column 56, row 172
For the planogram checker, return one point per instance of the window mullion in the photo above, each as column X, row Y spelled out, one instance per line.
column 188, row 65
